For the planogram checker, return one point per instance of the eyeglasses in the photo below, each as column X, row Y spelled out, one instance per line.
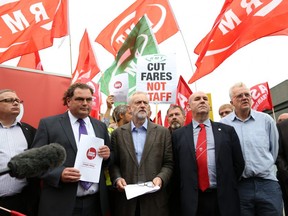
column 12, row 100
column 147, row 184
column 240, row 96
column 81, row 100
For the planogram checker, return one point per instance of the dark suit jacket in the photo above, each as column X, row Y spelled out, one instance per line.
column 229, row 167
column 58, row 198
column 282, row 160
column 157, row 160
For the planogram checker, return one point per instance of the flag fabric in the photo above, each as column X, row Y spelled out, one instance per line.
column 86, row 65
column 160, row 14
column 158, row 118
column 31, row 60
column 140, row 42
column 86, row 70
column 237, row 25
column 182, row 97
column 30, row 25
column 261, row 97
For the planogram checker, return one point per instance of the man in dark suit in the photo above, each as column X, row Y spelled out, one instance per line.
column 282, row 160
column 62, row 193
column 143, row 153
column 224, row 164
column 16, row 194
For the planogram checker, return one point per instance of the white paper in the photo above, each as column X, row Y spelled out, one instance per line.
column 134, row 190
column 119, row 87
column 87, row 159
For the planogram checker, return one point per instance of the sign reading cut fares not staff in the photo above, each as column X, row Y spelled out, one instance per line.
column 156, row 75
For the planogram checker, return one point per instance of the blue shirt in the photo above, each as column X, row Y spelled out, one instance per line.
column 139, row 138
column 210, row 149
column 258, row 137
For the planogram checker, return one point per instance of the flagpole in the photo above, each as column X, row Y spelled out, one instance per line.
column 185, row 45
column 273, row 112
column 69, row 35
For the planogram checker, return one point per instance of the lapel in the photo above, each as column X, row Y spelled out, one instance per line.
column 66, row 126
column 150, row 140
column 27, row 134
column 128, row 141
column 217, row 133
column 189, row 139
column 95, row 127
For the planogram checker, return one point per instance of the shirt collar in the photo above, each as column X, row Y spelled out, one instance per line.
column 145, row 125
column 73, row 119
column 233, row 116
column 195, row 124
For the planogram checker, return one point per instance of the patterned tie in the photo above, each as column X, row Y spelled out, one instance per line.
column 201, row 156
column 83, row 130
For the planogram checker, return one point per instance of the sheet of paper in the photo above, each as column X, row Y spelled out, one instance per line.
column 134, row 190
column 87, row 159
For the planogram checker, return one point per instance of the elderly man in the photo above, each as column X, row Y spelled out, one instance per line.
column 143, row 153
column 260, row 193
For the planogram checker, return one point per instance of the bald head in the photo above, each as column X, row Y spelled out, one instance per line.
column 282, row 117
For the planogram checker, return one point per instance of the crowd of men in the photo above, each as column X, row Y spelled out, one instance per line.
column 203, row 168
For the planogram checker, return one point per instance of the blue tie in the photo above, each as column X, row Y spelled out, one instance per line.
column 83, row 130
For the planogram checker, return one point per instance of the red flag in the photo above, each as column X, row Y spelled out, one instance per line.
column 237, row 25
column 182, row 96
column 158, row 12
column 30, row 25
column 15, row 213
column 31, row 60
column 261, row 97
column 86, row 70
column 158, row 118
column 86, row 65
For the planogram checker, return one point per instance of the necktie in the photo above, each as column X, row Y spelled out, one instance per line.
column 201, row 156
column 83, row 130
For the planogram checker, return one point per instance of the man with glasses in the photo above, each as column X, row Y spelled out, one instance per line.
column 259, row 191
column 143, row 153
column 15, row 137
column 63, row 194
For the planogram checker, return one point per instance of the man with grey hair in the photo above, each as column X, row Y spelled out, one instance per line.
column 259, row 191
column 143, row 154
column 121, row 114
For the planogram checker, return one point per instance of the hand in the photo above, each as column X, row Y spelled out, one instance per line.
column 120, row 184
column 110, row 101
column 104, row 152
column 157, row 181
column 70, row 174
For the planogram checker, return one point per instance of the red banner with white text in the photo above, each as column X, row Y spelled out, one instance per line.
column 261, row 97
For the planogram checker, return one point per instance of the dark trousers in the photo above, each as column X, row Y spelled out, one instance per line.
column 87, row 206
column 208, row 203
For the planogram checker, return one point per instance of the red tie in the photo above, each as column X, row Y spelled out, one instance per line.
column 201, row 156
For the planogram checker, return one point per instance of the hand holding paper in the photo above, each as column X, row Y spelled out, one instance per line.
column 134, row 190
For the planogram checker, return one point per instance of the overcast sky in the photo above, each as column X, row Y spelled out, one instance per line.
column 261, row 61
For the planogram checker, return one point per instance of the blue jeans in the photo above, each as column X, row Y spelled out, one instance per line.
column 260, row 197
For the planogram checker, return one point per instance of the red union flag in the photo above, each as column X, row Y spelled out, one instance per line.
column 158, row 118
column 158, row 12
column 31, row 60
column 86, row 65
column 30, row 25
column 238, row 24
column 261, row 97
column 182, row 96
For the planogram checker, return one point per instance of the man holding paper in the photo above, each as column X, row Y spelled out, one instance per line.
column 63, row 193
column 143, row 154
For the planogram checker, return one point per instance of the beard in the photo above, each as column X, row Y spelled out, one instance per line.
column 175, row 125
column 141, row 115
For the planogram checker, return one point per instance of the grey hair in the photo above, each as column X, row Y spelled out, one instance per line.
column 236, row 85
column 130, row 99
column 120, row 109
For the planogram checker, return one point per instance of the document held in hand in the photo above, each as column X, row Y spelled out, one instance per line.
column 87, row 159
column 134, row 190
